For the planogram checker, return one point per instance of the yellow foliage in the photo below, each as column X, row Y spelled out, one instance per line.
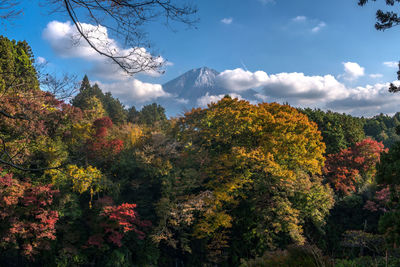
column 135, row 135
column 80, row 132
column 83, row 180
column 263, row 146
column 49, row 107
column 94, row 109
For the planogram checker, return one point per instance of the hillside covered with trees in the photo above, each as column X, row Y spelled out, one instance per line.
column 91, row 183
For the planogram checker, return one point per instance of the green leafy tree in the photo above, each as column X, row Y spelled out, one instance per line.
column 339, row 131
column 133, row 115
column 152, row 114
column 16, row 66
column 91, row 97
column 115, row 109
column 383, row 128
column 87, row 92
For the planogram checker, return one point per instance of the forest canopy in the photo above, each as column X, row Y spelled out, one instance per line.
column 91, row 182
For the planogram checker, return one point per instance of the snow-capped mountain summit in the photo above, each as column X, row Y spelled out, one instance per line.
column 193, row 89
column 194, row 84
column 205, row 77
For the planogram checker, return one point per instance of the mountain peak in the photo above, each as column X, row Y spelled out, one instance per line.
column 205, row 77
column 193, row 85
column 195, row 81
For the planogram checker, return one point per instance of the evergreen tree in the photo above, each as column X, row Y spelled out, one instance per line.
column 339, row 131
column 151, row 114
column 114, row 108
column 86, row 92
column 16, row 66
column 132, row 115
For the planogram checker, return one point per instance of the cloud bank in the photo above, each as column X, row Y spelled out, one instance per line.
column 208, row 99
column 297, row 87
column 324, row 92
column 134, row 91
column 66, row 42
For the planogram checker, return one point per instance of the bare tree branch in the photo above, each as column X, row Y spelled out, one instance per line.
column 63, row 87
column 9, row 10
column 123, row 19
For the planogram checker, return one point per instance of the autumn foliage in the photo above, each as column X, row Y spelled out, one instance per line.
column 116, row 221
column 101, row 145
column 347, row 170
column 27, row 218
column 217, row 186
column 257, row 155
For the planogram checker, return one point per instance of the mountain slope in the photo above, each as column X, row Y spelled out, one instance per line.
column 193, row 85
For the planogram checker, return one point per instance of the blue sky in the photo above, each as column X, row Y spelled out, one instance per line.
column 332, row 43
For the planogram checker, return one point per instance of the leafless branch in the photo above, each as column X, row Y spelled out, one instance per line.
column 9, row 10
column 123, row 19
column 63, row 88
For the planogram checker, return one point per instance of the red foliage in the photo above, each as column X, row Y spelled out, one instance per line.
column 104, row 122
column 123, row 217
column 25, row 214
column 101, row 132
column 115, row 237
column 40, row 114
column 344, row 169
column 380, row 201
column 117, row 221
column 101, row 147
column 115, row 146
column 96, row 240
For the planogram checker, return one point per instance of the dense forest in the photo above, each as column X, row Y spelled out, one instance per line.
column 88, row 182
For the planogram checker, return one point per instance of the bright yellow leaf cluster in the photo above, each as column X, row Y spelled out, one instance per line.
column 260, row 147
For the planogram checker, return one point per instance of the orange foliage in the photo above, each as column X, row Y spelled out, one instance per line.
column 27, row 221
column 347, row 170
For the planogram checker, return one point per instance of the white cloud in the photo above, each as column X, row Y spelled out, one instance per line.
column 368, row 101
column 376, row 75
column 300, row 19
column 352, row 71
column 298, row 87
column 208, row 99
column 300, row 90
column 134, row 91
column 227, row 21
column 304, row 90
column 41, row 60
column 391, row 64
column 67, row 42
column 319, row 27
column 240, row 80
